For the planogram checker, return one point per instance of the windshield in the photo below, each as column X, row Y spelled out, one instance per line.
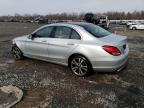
column 95, row 30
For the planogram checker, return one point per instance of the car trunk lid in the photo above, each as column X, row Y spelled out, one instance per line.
column 116, row 40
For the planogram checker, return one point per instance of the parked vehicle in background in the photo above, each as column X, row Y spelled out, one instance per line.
column 137, row 26
column 104, row 21
column 131, row 23
column 123, row 22
column 100, row 20
column 40, row 20
column 83, row 47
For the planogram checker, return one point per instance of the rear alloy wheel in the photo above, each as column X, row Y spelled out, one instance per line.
column 80, row 66
column 17, row 53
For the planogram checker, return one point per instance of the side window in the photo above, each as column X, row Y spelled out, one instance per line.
column 45, row 32
column 75, row 35
column 62, row 32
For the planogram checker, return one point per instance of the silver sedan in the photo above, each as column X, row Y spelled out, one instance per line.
column 83, row 47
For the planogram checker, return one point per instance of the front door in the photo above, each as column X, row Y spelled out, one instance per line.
column 38, row 46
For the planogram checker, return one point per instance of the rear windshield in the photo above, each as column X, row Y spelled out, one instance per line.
column 95, row 30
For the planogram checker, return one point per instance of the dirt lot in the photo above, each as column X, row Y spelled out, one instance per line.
column 47, row 85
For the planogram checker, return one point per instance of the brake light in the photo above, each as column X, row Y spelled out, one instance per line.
column 112, row 50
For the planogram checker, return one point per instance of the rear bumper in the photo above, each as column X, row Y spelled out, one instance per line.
column 110, row 66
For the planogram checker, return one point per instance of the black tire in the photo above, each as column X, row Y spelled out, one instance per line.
column 17, row 53
column 134, row 28
column 80, row 66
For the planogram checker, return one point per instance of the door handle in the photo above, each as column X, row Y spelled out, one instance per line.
column 70, row 44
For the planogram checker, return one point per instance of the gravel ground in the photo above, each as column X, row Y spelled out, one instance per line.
column 47, row 85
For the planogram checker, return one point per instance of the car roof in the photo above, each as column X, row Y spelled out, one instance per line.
column 74, row 25
column 70, row 24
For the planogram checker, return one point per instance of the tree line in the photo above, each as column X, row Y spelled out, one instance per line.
column 136, row 15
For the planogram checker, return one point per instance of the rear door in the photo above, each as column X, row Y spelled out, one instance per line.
column 64, row 40
column 38, row 46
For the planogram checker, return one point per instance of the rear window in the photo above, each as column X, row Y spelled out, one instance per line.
column 95, row 30
column 75, row 35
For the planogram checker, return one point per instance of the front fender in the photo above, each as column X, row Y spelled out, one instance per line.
column 19, row 44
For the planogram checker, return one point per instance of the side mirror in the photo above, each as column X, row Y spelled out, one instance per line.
column 31, row 36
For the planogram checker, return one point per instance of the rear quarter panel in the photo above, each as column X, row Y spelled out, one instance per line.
column 90, row 51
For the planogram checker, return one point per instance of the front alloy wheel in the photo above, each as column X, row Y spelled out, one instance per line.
column 80, row 66
column 17, row 53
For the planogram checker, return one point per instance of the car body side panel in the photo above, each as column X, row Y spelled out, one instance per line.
column 36, row 47
column 59, row 49
column 90, row 51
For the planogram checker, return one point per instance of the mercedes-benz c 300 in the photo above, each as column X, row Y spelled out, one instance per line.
column 83, row 47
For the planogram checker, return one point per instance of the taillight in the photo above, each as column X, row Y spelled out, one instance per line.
column 112, row 50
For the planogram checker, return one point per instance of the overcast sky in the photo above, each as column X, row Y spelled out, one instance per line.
column 59, row 6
